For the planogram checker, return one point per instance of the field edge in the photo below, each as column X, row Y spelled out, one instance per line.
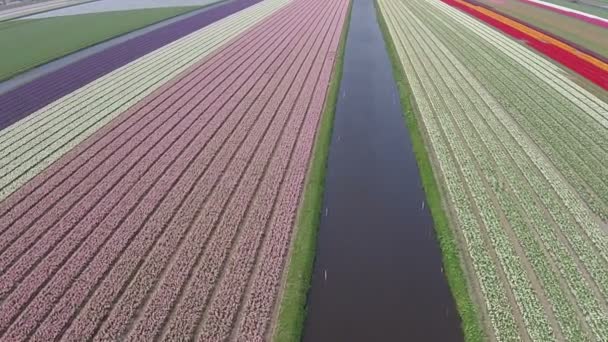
column 452, row 260
column 288, row 325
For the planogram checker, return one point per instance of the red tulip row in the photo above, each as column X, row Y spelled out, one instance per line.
column 592, row 72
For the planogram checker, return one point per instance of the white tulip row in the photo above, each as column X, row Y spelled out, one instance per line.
column 486, row 269
column 527, row 167
column 582, row 146
column 482, row 133
column 488, row 131
column 536, row 64
column 524, row 195
column 580, row 213
column 527, row 301
column 491, row 66
column 33, row 143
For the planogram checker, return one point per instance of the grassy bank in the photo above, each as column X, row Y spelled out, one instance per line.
column 455, row 274
column 292, row 310
column 30, row 43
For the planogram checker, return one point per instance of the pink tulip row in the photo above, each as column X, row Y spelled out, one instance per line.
column 90, row 212
column 224, row 306
column 152, row 226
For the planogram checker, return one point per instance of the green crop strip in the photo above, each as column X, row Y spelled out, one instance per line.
column 292, row 311
column 455, row 274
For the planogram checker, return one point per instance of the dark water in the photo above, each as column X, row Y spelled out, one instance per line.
column 378, row 273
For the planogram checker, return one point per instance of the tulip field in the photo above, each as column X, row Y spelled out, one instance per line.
column 157, row 200
column 521, row 153
column 168, row 185
column 42, row 91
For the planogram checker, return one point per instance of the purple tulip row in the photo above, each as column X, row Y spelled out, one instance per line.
column 26, row 99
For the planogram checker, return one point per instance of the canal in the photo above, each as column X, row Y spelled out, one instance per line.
column 378, row 273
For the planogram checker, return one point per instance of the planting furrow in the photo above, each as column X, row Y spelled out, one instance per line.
column 594, row 232
column 139, row 75
column 88, row 202
column 187, row 259
column 56, row 138
column 132, row 72
column 33, row 165
column 54, row 260
column 111, row 59
column 560, row 217
column 573, row 157
column 581, row 122
column 26, row 99
column 581, row 15
column 38, row 195
column 588, row 66
column 491, row 284
column 482, row 110
column 159, row 210
column 105, row 84
column 87, row 250
column 494, row 293
column 218, row 319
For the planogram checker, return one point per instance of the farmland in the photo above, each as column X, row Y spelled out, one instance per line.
column 586, row 64
column 166, row 211
column 307, row 170
column 587, row 35
column 520, row 153
column 33, row 96
column 34, row 42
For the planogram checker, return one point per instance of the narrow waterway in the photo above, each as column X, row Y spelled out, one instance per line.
column 378, row 273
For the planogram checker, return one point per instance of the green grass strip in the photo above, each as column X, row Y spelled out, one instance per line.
column 292, row 311
column 31, row 43
column 455, row 274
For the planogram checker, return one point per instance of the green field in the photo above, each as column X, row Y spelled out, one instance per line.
column 29, row 43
